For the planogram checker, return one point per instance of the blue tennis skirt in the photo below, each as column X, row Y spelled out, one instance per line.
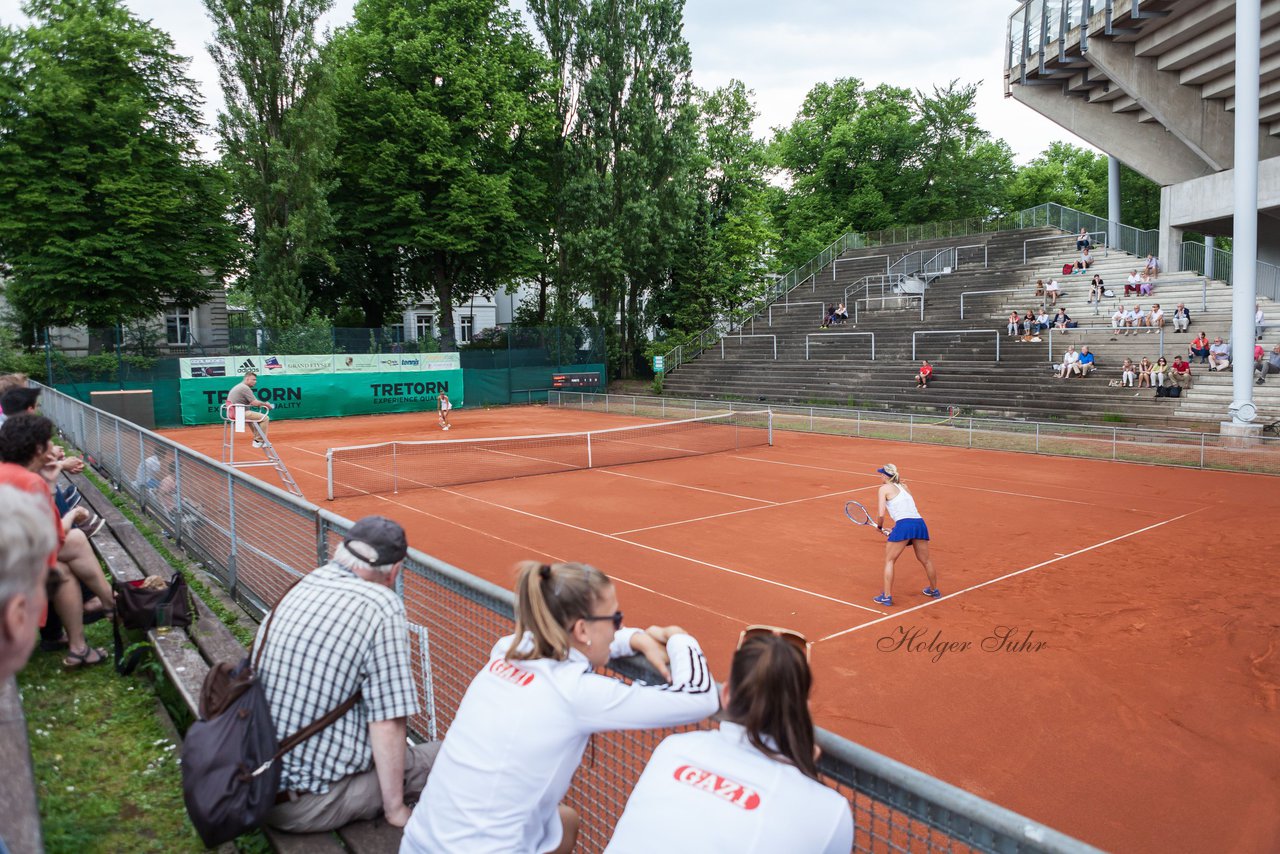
column 909, row 529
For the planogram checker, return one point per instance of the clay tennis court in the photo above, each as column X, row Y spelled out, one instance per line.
column 1105, row 658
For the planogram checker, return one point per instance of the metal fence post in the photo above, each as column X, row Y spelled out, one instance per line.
column 177, row 497
column 232, row 580
column 119, row 454
column 1114, row 438
column 322, row 545
column 1037, row 438
column 1202, row 437
column 971, row 432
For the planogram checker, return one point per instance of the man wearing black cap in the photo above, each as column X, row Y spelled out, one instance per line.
column 342, row 630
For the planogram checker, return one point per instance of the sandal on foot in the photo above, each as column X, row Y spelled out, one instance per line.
column 88, row 658
column 883, row 600
column 933, row 592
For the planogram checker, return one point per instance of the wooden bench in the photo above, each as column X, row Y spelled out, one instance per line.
column 20, row 828
column 186, row 656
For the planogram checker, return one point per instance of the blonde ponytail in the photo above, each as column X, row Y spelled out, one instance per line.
column 550, row 598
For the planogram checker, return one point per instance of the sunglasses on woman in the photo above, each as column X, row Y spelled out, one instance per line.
column 616, row 616
column 792, row 637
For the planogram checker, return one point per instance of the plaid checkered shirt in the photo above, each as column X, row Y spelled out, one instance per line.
column 332, row 634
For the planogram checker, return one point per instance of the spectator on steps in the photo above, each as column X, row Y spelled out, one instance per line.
column 1086, row 260
column 1259, row 319
column 1086, row 363
column 1061, row 319
column 842, row 314
column 1180, row 372
column 1132, row 284
column 1052, row 291
column 1096, row 288
column 1127, row 374
column 1219, row 355
column 1160, row 373
column 1133, row 318
column 1083, row 241
column 925, row 375
column 1181, row 318
column 1199, row 347
column 1145, row 286
column 1028, row 322
column 1039, row 287
column 1270, row 366
column 1068, row 364
column 1153, row 267
column 1144, row 373
column 1042, row 321
column 1155, row 320
column 1015, row 323
column 1117, row 321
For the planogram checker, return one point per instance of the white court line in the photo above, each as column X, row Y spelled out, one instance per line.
column 746, row 510
column 934, row 483
column 683, row 485
column 1012, row 574
column 660, row 551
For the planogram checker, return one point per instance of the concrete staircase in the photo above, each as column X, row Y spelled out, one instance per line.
column 839, row 370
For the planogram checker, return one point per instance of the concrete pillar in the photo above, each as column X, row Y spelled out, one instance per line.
column 1208, row 255
column 1244, row 266
column 1113, row 201
column 1170, row 248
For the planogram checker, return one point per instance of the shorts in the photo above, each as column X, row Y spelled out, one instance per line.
column 909, row 529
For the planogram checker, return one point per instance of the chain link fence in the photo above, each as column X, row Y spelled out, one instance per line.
column 257, row 539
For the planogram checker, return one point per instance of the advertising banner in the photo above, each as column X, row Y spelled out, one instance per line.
column 368, row 363
column 308, row 395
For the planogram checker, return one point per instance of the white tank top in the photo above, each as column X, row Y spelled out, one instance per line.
column 902, row 505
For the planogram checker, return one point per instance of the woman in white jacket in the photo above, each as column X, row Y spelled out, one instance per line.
column 511, row 751
column 752, row 787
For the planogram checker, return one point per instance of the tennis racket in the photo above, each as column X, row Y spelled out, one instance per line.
column 858, row 515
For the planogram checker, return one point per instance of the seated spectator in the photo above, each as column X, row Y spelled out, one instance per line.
column 926, row 374
column 1153, row 267
column 765, row 742
column 1133, row 318
column 1086, row 363
column 1181, row 318
column 500, row 779
column 1144, row 373
column 1127, row 373
column 829, row 316
column 1219, row 355
column 1086, row 260
column 1051, row 292
column 1155, row 320
column 29, row 536
column 1118, row 320
column 842, row 314
column 1132, row 284
column 1028, row 322
column 1042, row 320
column 1271, row 366
column 8, row 381
column 340, row 636
column 1096, row 288
column 1259, row 359
column 17, row 399
column 1199, row 347
column 1144, row 286
column 1180, row 372
column 1015, row 324
column 1061, row 319
column 1068, row 364
column 1160, row 373
column 1259, row 320
column 1083, row 241
column 1039, row 287
column 26, row 440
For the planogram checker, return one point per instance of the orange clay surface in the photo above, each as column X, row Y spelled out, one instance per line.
column 1106, row 657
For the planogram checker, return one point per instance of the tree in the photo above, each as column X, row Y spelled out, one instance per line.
column 107, row 213
column 442, row 111
column 1077, row 178
column 277, row 140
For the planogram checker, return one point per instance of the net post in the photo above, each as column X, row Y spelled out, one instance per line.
column 589, row 451
column 769, row 417
column 328, row 465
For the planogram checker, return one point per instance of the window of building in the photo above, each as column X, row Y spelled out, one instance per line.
column 468, row 323
column 177, row 326
column 424, row 326
column 397, row 332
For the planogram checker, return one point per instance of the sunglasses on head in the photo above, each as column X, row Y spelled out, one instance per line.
column 616, row 616
column 792, row 637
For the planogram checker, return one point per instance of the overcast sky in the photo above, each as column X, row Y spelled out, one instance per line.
column 780, row 50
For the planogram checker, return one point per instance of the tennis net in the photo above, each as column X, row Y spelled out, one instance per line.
column 398, row 466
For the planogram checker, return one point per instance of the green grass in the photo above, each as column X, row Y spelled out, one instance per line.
column 106, row 769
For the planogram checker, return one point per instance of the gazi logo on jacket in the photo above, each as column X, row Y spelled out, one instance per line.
column 722, row 787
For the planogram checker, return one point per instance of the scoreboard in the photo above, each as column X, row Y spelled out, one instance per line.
column 589, row 379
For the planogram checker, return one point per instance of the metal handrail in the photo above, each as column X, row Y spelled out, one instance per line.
column 828, row 334
column 852, row 260
column 1095, row 330
column 740, row 336
column 1103, row 243
column 882, row 298
column 994, row 332
column 964, row 294
column 985, row 252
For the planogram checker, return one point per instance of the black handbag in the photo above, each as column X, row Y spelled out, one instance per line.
column 142, row 609
column 230, row 757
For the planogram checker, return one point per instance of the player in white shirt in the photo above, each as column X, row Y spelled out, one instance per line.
column 445, row 406
column 519, row 734
column 909, row 528
column 752, row 787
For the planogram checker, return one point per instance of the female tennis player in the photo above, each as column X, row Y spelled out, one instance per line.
column 445, row 406
column 751, row 786
column 908, row 528
column 524, row 722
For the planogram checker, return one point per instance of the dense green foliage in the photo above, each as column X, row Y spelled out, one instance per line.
column 436, row 150
column 107, row 213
